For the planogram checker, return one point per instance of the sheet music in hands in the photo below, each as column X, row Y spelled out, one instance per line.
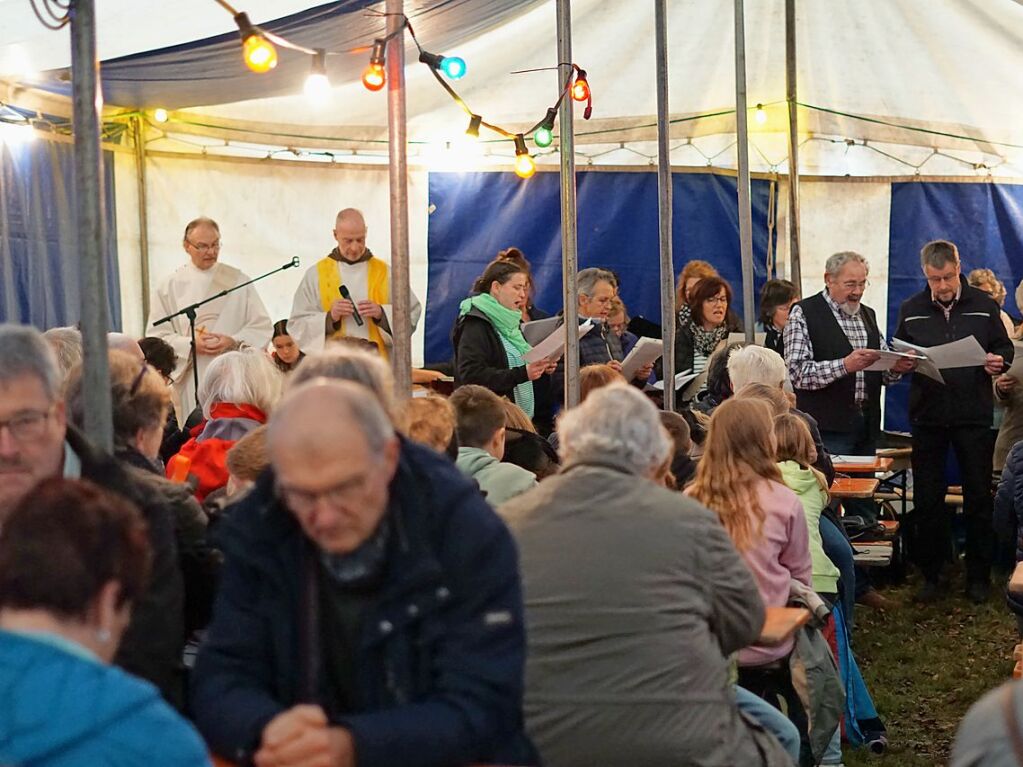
column 889, row 359
column 681, row 380
column 553, row 346
column 645, row 352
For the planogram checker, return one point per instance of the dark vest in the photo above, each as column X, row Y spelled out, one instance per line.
column 834, row 406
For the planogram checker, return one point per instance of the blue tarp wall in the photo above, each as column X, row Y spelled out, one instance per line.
column 984, row 220
column 38, row 237
column 475, row 215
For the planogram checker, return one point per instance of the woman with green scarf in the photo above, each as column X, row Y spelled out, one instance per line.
column 488, row 339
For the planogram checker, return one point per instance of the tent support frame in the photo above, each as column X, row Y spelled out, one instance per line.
column 139, row 130
column 401, row 329
column 569, row 241
column 664, row 203
column 91, row 225
column 795, row 265
column 743, row 181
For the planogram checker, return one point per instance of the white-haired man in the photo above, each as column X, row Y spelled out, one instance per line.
column 321, row 311
column 603, row 551
column 831, row 339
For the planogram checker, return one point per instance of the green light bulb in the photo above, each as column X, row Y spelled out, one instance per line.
column 543, row 137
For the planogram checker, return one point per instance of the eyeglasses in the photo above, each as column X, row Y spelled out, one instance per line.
column 942, row 278
column 854, row 285
column 138, row 380
column 304, row 501
column 717, row 300
column 204, row 247
column 28, row 426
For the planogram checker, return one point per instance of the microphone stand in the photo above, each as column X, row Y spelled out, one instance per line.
column 189, row 311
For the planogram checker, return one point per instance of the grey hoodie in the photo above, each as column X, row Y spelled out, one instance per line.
column 499, row 481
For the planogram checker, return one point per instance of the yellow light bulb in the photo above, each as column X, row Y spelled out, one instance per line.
column 160, row 115
column 760, row 115
column 260, row 55
column 525, row 166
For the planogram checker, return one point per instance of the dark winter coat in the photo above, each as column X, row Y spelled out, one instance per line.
column 440, row 662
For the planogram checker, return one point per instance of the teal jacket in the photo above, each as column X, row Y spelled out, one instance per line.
column 498, row 480
column 60, row 707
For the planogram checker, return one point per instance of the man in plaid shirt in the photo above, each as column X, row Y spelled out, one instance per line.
column 831, row 339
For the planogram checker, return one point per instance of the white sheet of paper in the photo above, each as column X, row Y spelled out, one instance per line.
column 888, row 360
column 926, row 365
column 646, row 351
column 553, row 346
column 867, row 459
column 537, row 330
column 740, row 338
column 964, row 353
column 680, row 380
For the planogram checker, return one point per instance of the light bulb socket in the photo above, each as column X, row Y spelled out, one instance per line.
column 549, row 118
column 245, row 28
column 473, row 130
column 319, row 66
column 520, row 145
column 377, row 55
column 431, row 60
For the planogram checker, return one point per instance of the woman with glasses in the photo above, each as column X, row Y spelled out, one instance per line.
column 140, row 401
column 703, row 324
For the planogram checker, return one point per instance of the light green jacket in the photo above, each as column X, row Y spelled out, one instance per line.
column 804, row 484
column 499, row 480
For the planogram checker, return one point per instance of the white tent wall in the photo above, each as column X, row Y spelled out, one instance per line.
column 268, row 211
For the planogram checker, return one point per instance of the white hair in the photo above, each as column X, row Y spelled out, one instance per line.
column 348, row 363
column 241, row 378
column 67, row 345
column 835, row 263
column 756, row 364
column 616, row 420
column 24, row 351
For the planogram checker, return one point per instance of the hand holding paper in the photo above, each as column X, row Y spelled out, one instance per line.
column 645, row 352
column 553, row 346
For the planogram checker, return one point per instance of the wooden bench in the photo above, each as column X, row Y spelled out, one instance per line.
column 781, row 623
column 880, row 463
column 854, row 487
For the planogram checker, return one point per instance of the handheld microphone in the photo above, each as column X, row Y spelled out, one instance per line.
column 343, row 290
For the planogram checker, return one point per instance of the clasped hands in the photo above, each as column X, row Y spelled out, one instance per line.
column 302, row 737
column 342, row 308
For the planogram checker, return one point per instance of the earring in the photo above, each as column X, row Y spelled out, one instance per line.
column 103, row 636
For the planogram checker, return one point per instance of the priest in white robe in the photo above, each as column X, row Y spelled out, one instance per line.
column 235, row 321
column 320, row 312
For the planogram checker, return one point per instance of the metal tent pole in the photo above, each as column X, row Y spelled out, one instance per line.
column 92, row 287
column 743, row 182
column 401, row 329
column 140, row 178
column 664, row 199
column 795, row 266
column 569, row 243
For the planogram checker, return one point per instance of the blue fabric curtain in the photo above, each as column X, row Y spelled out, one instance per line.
column 475, row 215
column 984, row 220
column 38, row 239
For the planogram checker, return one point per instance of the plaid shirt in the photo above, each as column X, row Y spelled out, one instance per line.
column 808, row 373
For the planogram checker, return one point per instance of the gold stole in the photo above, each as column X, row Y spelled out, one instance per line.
column 378, row 279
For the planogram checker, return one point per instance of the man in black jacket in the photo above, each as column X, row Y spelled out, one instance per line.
column 956, row 413
column 370, row 610
column 37, row 444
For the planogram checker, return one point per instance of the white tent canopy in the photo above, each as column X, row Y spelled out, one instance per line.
column 940, row 70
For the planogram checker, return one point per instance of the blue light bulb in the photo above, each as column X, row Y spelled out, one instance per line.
column 453, row 66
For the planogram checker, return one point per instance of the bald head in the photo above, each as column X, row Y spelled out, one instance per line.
column 334, row 453
column 123, row 343
column 350, row 234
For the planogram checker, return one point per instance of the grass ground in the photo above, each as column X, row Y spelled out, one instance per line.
column 925, row 666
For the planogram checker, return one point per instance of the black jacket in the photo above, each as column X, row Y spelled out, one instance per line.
column 965, row 399
column 480, row 357
column 441, row 656
column 152, row 645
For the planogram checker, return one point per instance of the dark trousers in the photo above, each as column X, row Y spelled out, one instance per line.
column 860, row 440
column 933, row 519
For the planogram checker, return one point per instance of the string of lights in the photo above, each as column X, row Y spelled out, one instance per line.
column 260, row 56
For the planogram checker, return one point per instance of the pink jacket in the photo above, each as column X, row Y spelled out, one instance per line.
column 782, row 555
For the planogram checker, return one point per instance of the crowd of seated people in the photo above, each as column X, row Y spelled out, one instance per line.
column 436, row 580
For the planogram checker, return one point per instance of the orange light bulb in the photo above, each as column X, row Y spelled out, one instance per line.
column 580, row 89
column 373, row 77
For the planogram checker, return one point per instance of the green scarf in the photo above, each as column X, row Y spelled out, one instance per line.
column 505, row 321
